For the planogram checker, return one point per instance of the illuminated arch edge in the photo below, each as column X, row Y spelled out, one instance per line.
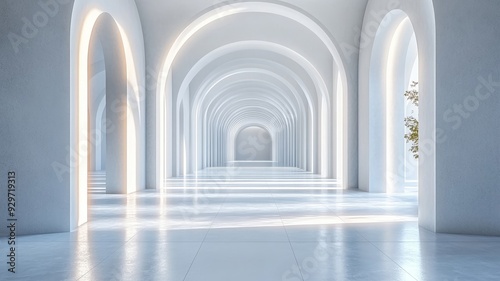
column 83, row 18
column 421, row 15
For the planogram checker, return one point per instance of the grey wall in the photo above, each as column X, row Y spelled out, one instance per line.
column 253, row 144
column 34, row 114
column 468, row 112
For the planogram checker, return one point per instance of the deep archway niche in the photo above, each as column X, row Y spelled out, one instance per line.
column 123, row 48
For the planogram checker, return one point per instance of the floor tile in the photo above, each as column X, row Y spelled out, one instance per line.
column 346, row 261
column 247, row 234
column 146, row 261
column 249, row 261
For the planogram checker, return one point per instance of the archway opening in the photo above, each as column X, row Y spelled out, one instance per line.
column 97, row 117
column 393, row 70
column 319, row 153
column 97, row 37
column 110, row 42
column 411, row 110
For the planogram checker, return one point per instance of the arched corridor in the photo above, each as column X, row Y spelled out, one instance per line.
column 250, row 140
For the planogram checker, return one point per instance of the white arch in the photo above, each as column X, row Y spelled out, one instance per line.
column 83, row 18
column 318, row 80
column 421, row 14
column 387, row 83
column 216, row 78
column 262, row 98
column 321, row 88
column 236, row 8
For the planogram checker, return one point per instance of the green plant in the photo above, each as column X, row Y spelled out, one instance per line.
column 411, row 122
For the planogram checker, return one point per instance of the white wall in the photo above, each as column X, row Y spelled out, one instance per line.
column 34, row 115
column 468, row 114
column 36, row 108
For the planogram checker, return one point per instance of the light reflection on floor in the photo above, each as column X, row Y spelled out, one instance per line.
column 276, row 231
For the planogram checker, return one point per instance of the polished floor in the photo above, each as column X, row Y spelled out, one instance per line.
column 264, row 224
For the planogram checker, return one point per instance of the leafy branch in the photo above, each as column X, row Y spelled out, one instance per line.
column 411, row 122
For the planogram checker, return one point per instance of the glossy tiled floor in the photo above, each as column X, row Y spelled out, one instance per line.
column 260, row 225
